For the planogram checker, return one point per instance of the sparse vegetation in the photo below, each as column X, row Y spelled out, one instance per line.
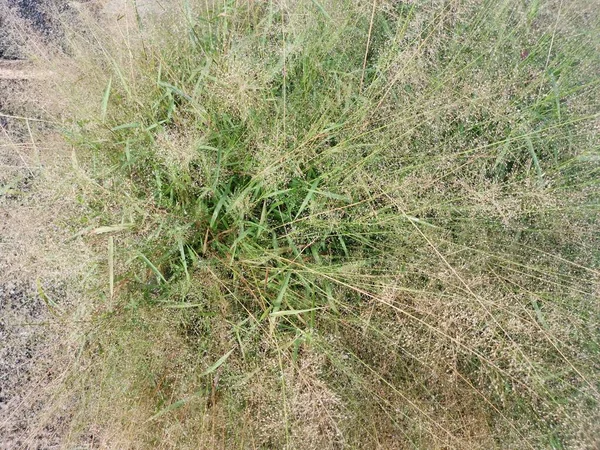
column 335, row 225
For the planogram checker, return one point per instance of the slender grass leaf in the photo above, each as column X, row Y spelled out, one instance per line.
column 278, row 300
column 320, row 8
column 218, row 364
column 534, row 157
column 332, row 195
column 215, row 215
column 111, row 266
column 282, row 290
column 105, row 100
column 538, row 313
column 112, row 228
column 51, row 304
column 175, row 90
column 172, row 407
column 159, row 275
column 420, row 221
column 309, row 195
column 293, row 312
column 126, row 126
column 183, row 260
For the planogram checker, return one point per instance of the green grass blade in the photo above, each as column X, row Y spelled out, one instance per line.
column 111, row 266
column 534, row 157
column 320, row 8
column 154, row 269
column 51, row 304
column 307, row 198
column 105, row 101
column 172, row 407
column 181, row 403
column 183, row 260
column 293, row 312
column 217, row 364
column 112, row 228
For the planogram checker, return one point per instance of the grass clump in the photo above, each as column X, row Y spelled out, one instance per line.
column 340, row 225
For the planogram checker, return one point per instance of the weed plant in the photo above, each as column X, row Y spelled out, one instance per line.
column 338, row 224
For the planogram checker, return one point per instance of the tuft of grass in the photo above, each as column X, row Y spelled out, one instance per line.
column 338, row 225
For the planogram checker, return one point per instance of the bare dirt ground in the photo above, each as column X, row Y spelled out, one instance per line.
column 39, row 264
column 24, row 316
column 25, row 337
column 38, row 259
column 22, row 312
